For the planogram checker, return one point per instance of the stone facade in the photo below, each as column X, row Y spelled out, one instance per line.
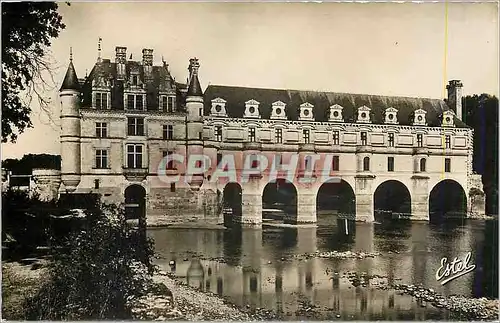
column 122, row 120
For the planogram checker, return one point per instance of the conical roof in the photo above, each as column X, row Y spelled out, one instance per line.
column 194, row 88
column 70, row 80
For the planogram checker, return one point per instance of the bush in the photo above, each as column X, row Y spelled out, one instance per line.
column 99, row 270
column 25, row 219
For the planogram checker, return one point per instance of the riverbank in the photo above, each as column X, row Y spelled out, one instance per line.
column 175, row 300
column 183, row 302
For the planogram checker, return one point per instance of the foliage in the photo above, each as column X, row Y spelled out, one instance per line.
column 25, row 219
column 97, row 273
column 481, row 113
column 26, row 164
column 27, row 31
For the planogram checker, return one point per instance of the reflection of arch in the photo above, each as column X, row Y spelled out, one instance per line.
column 195, row 274
column 366, row 164
column 448, row 198
column 278, row 197
column 336, row 196
column 392, row 197
column 135, row 202
column 231, row 201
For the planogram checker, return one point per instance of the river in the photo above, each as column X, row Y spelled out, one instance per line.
column 259, row 268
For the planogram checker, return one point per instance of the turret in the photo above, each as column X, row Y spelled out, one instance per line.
column 70, row 129
column 454, row 88
column 194, row 108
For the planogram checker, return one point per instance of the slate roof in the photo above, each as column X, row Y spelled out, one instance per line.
column 194, row 88
column 160, row 78
column 237, row 96
column 70, row 79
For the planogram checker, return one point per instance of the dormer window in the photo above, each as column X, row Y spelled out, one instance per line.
column 391, row 116
column 135, row 102
column 167, row 103
column 278, row 110
column 336, row 113
column 306, row 111
column 448, row 119
column 419, row 118
column 101, row 100
column 218, row 107
column 364, row 114
column 252, row 109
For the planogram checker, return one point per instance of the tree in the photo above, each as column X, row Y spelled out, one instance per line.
column 481, row 113
column 27, row 31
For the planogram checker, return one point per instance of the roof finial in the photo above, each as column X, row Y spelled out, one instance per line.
column 71, row 54
column 99, row 49
column 86, row 73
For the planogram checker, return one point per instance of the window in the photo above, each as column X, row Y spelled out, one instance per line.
column 172, row 187
column 420, row 140
column 219, row 158
column 101, row 129
column 135, row 102
column 335, row 163
column 447, row 141
column 278, row 160
column 308, row 163
column 366, row 164
column 336, row 137
column 364, row 141
column 254, row 161
column 201, row 112
column 168, row 132
column 422, row 164
column 251, row 134
column 96, row 184
column 101, row 101
column 391, row 140
column 218, row 133
column 305, row 133
column 447, row 165
column 136, row 126
column 200, row 135
column 168, row 103
column 390, row 164
column 279, row 135
column 134, row 156
column 170, row 163
column 101, row 158
column 134, row 79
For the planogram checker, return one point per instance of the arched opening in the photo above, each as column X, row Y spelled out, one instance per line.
column 423, row 163
column 135, row 202
column 279, row 201
column 366, row 164
column 231, row 202
column 392, row 199
column 447, row 199
column 336, row 198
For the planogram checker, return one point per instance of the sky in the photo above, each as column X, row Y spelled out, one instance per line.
column 373, row 48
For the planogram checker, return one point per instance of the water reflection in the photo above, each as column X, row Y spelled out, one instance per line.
column 259, row 269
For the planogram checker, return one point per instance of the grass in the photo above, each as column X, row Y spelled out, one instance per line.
column 18, row 282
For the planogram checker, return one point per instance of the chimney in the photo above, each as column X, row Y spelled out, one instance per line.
column 454, row 88
column 194, row 65
column 147, row 57
column 120, row 60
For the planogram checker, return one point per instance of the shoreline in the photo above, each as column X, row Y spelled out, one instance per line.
column 203, row 225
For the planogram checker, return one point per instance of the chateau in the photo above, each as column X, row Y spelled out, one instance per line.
column 121, row 120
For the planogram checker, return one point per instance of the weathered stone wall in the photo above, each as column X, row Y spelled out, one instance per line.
column 182, row 206
column 46, row 182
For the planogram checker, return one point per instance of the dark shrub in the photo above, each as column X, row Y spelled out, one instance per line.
column 96, row 273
